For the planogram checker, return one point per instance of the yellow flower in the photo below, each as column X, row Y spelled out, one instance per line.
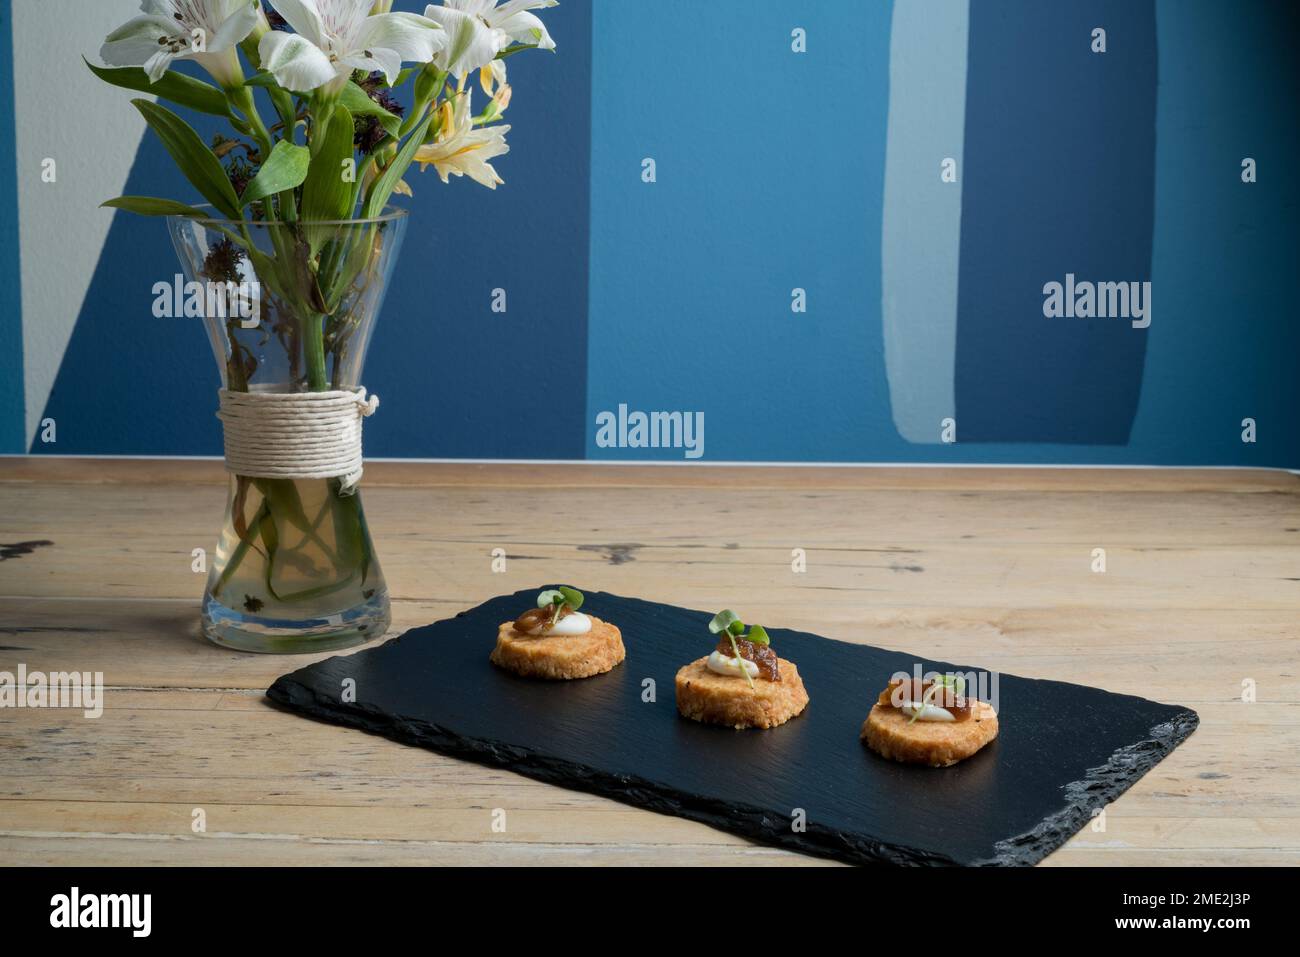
column 459, row 149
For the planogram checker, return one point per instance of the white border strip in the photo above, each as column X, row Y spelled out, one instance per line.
column 90, row 131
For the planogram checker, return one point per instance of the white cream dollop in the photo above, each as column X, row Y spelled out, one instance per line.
column 574, row 623
column 721, row 664
column 926, row 712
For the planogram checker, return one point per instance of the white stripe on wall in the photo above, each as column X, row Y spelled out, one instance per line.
column 921, row 227
column 63, row 112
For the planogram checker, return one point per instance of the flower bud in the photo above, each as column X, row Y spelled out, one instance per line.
column 249, row 44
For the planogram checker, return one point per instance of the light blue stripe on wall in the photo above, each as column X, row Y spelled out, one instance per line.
column 921, row 244
column 11, row 312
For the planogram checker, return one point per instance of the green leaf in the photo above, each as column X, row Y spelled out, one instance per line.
column 551, row 596
column 284, row 169
column 516, row 48
column 736, row 628
column 285, row 502
column 572, row 597
column 954, row 682
column 326, row 195
column 758, row 635
column 265, row 79
column 176, row 87
column 722, row 621
column 384, row 186
column 360, row 104
column 199, row 164
column 149, row 206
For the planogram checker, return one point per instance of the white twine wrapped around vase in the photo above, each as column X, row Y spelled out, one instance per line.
column 296, row 435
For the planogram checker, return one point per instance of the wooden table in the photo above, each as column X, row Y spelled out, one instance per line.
column 992, row 566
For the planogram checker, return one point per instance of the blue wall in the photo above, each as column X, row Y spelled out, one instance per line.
column 771, row 175
column 12, row 407
column 1070, row 134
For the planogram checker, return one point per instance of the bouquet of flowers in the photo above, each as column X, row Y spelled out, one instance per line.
column 326, row 104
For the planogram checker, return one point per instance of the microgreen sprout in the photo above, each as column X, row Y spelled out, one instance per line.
column 723, row 621
column 728, row 623
column 563, row 595
column 557, row 599
column 956, row 682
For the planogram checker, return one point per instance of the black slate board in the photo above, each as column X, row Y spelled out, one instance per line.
column 1063, row 750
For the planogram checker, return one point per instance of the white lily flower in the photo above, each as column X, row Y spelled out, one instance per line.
column 335, row 37
column 462, row 150
column 480, row 29
column 207, row 31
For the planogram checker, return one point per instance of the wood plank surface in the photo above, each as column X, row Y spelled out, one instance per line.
column 992, row 566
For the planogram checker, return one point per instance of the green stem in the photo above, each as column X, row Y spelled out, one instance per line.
column 241, row 550
column 313, row 346
column 739, row 660
column 242, row 98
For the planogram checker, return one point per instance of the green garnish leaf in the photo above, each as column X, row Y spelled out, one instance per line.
column 736, row 628
column 956, row 682
column 551, row 596
column 723, row 621
column 758, row 635
column 572, row 597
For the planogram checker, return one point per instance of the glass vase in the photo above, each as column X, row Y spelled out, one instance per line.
column 290, row 307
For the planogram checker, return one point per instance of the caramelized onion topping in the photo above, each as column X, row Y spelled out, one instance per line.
column 761, row 655
column 901, row 692
column 535, row 619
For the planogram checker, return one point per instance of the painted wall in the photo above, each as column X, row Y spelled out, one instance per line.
column 775, row 171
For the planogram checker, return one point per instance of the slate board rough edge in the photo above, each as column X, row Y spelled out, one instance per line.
column 1102, row 785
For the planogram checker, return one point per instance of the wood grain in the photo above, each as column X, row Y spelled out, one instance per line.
column 1200, row 595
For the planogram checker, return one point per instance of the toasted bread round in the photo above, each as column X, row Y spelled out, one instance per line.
column 712, row 698
column 893, row 734
column 559, row 657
